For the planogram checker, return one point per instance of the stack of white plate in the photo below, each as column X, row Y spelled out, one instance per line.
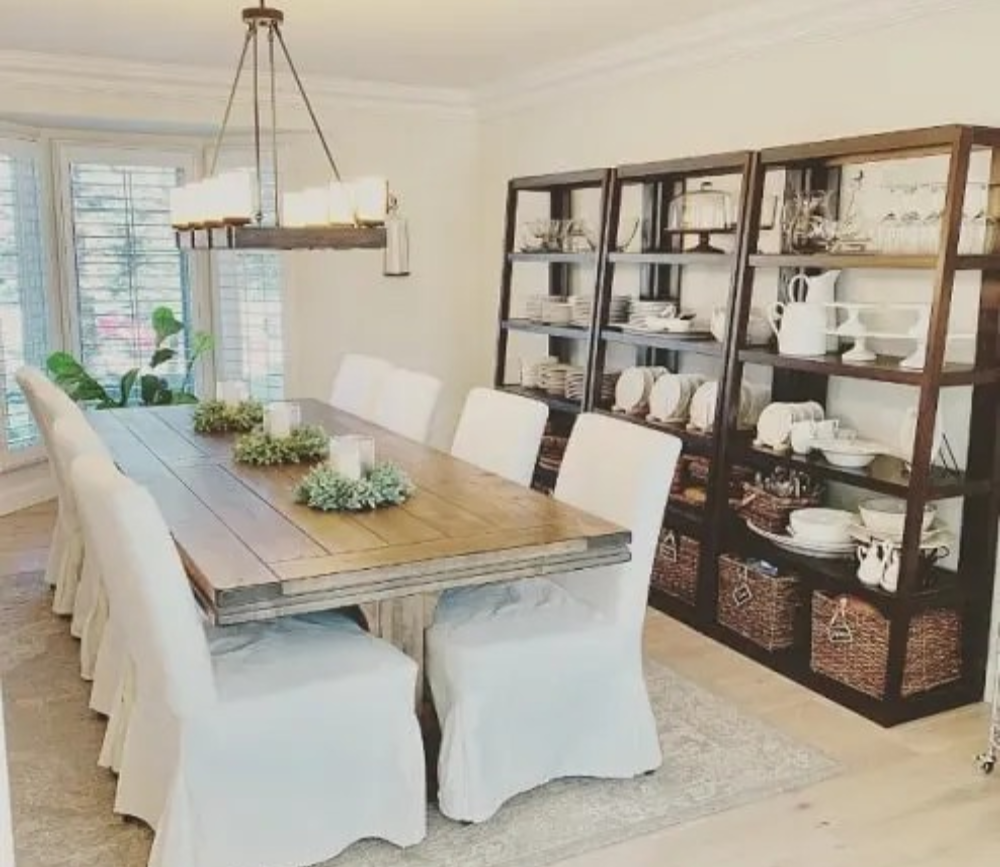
column 582, row 308
column 533, row 371
column 575, row 377
column 641, row 311
column 533, row 307
column 555, row 311
column 618, row 311
column 554, row 379
column 816, row 532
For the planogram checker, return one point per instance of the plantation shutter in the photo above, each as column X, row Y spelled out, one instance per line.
column 126, row 264
column 249, row 332
column 24, row 321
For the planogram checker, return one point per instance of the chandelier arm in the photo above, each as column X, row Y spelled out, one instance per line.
column 274, row 124
column 229, row 105
column 309, row 108
column 256, row 124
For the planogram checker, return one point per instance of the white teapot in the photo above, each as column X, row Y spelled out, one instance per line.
column 801, row 327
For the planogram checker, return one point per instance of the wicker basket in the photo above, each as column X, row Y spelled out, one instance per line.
column 769, row 511
column 759, row 606
column 850, row 643
column 675, row 569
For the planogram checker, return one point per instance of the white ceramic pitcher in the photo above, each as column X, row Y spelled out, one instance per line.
column 801, row 328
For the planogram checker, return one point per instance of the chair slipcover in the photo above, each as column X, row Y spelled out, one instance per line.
column 359, row 384
column 407, row 403
column 281, row 746
column 501, row 433
column 71, row 438
column 48, row 402
column 542, row 678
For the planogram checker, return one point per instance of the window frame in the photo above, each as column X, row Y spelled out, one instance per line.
column 152, row 152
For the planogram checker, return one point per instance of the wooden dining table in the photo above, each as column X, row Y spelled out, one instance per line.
column 252, row 553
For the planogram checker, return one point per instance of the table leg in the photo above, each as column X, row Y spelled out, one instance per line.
column 402, row 622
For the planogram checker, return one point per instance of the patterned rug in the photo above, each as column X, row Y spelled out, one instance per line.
column 717, row 758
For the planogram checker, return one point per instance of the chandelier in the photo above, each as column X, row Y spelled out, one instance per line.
column 226, row 210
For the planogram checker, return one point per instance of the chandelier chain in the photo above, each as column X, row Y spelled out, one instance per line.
column 232, row 99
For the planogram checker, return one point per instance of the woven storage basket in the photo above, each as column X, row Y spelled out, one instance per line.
column 770, row 512
column 675, row 569
column 850, row 643
column 757, row 605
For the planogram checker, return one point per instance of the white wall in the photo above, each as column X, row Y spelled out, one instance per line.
column 930, row 71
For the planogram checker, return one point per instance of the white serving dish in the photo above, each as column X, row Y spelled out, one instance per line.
column 809, row 549
column 850, row 454
column 888, row 515
column 824, row 526
column 937, row 536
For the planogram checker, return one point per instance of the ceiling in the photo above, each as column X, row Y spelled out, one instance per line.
column 449, row 43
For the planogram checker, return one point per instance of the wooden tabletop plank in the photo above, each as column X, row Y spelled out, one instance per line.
column 264, row 530
column 161, row 438
column 335, row 532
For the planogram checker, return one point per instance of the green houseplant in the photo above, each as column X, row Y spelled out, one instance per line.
column 154, row 390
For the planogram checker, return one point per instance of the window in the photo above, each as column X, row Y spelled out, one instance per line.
column 248, row 318
column 24, row 337
column 124, row 260
column 249, row 337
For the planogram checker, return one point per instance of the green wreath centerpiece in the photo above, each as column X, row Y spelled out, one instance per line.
column 303, row 445
column 219, row 417
column 326, row 490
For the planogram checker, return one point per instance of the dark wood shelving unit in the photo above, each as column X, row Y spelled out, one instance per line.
column 568, row 332
column 554, row 402
column 660, row 266
column 554, row 258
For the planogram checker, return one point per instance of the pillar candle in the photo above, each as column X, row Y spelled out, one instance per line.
column 277, row 420
column 345, row 457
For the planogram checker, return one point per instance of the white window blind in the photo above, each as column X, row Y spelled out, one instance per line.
column 126, row 264
column 248, row 317
column 24, row 337
column 248, row 321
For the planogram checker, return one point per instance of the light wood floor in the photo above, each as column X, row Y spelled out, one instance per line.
column 910, row 796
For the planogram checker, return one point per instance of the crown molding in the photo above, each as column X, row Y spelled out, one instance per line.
column 209, row 86
column 715, row 39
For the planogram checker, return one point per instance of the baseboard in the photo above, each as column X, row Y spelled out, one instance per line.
column 24, row 487
column 6, row 818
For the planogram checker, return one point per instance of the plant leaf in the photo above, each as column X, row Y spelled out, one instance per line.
column 184, row 397
column 162, row 356
column 201, row 343
column 165, row 324
column 152, row 389
column 71, row 377
column 127, row 385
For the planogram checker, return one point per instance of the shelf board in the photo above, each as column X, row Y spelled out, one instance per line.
column 886, row 474
column 897, row 261
column 694, row 442
column 666, row 258
column 884, row 369
column 560, row 404
column 708, row 346
column 571, row 332
column 555, row 258
column 840, row 576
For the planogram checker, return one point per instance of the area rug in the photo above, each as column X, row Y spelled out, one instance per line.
column 717, row 758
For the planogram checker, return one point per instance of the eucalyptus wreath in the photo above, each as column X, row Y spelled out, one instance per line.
column 325, row 489
column 304, row 445
column 217, row 417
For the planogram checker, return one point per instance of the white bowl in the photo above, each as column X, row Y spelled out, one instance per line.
column 888, row 515
column 832, row 526
column 849, row 453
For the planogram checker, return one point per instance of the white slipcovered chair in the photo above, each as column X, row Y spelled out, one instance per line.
column 501, row 433
column 101, row 644
column 359, row 383
column 542, row 678
column 278, row 747
column 48, row 402
column 407, row 403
